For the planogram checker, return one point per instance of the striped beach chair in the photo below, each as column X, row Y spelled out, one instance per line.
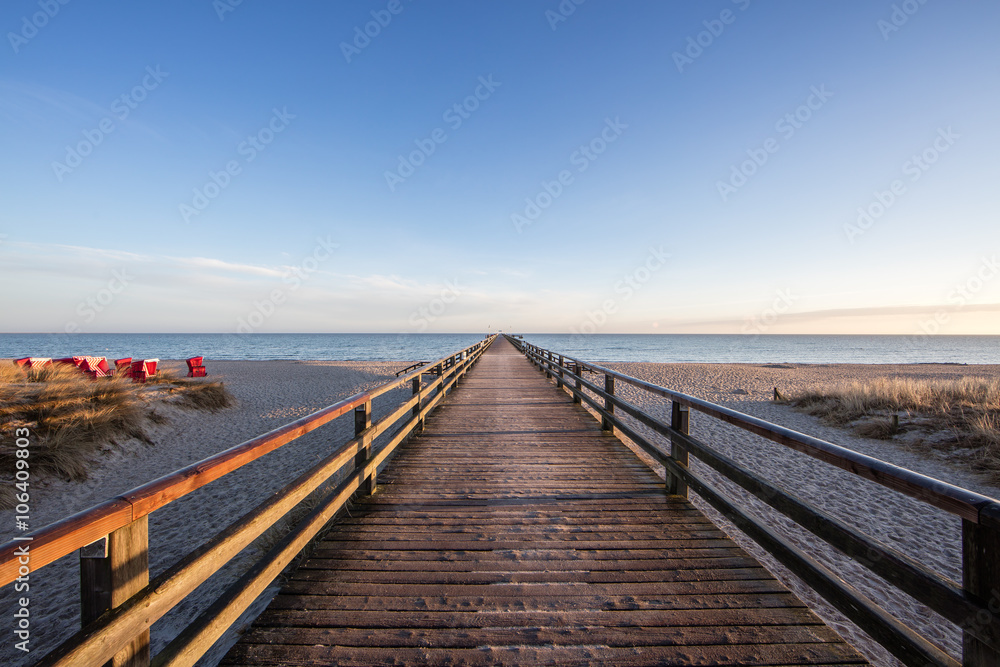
column 143, row 369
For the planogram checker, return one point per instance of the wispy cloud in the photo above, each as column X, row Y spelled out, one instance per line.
column 822, row 316
column 209, row 263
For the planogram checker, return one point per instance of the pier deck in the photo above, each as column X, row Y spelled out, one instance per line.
column 512, row 530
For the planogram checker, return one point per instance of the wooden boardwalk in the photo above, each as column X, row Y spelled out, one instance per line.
column 513, row 531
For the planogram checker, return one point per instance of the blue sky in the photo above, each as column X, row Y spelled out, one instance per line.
column 201, row 166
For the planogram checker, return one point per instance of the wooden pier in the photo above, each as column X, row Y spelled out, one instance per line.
column 485, row 517
column 514, row 530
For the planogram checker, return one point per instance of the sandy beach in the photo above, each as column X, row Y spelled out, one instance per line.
column 271, row 393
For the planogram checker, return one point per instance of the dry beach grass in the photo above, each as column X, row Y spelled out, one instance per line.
column 960, row 417
column 71, row 417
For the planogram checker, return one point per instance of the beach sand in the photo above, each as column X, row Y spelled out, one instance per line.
column 272, row 393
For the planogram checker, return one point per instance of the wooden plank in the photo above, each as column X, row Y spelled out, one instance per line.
column 762, row 594
column 587, row 654
column 981, row 579
column 128, row 556
column 681, row 618
column 553, row 633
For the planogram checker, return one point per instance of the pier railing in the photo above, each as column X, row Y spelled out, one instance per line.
column 973, row 606
column 118, row 600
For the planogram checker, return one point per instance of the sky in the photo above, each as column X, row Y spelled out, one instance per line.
column 597, row 166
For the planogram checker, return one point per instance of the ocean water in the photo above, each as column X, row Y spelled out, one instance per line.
column 337, row 347
column 663, row 348
column 805, row 349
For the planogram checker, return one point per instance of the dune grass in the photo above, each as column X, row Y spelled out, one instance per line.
column 957, row 417
column 71, row 417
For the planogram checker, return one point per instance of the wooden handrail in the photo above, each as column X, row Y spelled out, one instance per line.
column 965, row 606
column 963, row 503
column 133, row 616
column 904, row 572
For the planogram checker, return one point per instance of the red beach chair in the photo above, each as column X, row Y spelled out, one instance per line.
column 123, row 367
column 144, row 369
column 95, row 367
column 32, row 363
column 195, row 367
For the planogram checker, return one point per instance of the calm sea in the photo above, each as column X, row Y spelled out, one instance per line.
column 595, row 347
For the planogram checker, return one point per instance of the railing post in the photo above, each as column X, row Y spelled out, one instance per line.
column 981, row 580
column 680, row 422
column 362, row 423
column 112, row 570
column 415, row 384
column 559, row 373
column 548, row 368
column 609, row 405
column 578, row 370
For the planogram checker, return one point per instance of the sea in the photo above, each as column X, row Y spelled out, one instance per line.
column 660, row 348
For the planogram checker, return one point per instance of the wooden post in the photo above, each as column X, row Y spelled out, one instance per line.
column 981, row 580
column 680, row 422
column 362, row 423
column 95, row 581
column 112, row 570
column 559, row 373
column 578, row 370
column 416, row 408
column 609, row 387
